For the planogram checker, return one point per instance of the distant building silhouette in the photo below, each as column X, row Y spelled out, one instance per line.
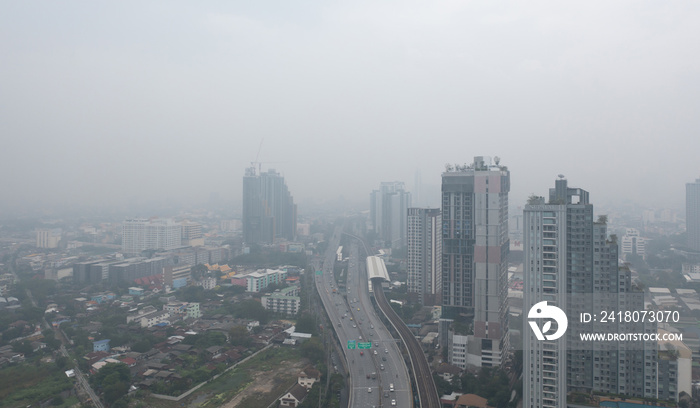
column 692, row 214
column 269, row 211
column 48, row 238
column 388, row 209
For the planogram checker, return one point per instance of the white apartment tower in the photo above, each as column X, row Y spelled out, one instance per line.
column 424, row 262
column 142, row 234
column 570, row 263
column 48, row 238
column 632, row 243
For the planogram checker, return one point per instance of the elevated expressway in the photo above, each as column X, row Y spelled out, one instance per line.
column 355, row 321
column 423, row 379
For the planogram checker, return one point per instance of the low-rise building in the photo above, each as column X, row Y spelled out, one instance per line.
column 260, row 279
column 294, row 396
column 100, row 345
column 285, row 301
column 457, row 350
column 137, row 315
column 308, row 377
column 675, row 369
column 136, row 291
column 183, row 310
column 177, row 276
column 153, row 319
column 207, row 283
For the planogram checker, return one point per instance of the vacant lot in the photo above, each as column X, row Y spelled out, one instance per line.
column 256, row 383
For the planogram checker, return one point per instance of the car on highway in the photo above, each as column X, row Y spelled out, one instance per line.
column 354, row 326
column 362, row 353
column 375, row 352
column 386, row 351
column 393, row 403
column 369, row 389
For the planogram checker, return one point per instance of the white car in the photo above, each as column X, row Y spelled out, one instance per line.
column 393, row 402
column 369, row 389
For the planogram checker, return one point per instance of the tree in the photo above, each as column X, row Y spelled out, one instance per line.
column 114, row 380
column 192, row 294
column 238, row 336
column 313, row 350
column 306, row 324
column 141, row 346
column 61, row 362
column 251, row 309
column 198, row 271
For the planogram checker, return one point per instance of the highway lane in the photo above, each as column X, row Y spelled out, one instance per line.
column 395, row 371
column 362, row 325
column 427, row 391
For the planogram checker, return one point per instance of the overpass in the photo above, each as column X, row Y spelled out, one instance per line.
column 422, row 376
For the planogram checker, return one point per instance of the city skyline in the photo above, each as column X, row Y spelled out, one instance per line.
column 206, row 84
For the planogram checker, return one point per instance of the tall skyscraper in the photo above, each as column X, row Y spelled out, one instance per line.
column 570, row 263
column 692, row 214
column 424, row 263
column 141, row 234
column 475, row 249
column 269, row 211
column 388, row 209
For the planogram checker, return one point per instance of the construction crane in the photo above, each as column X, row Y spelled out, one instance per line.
column 257, row 163
column 253, row 163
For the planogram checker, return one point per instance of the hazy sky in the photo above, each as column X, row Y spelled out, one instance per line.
column 103, row 102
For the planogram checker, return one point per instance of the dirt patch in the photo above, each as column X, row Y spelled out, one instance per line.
column 265, row 382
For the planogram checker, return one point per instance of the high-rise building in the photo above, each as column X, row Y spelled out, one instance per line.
column 570, row 263
column 192, row 234
column 424, row 261
column 388, row 208
column 48, row 238
column 632, row 243
column 475, row 249
column 692, row 214
column 269, row 211
column 142, row 234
